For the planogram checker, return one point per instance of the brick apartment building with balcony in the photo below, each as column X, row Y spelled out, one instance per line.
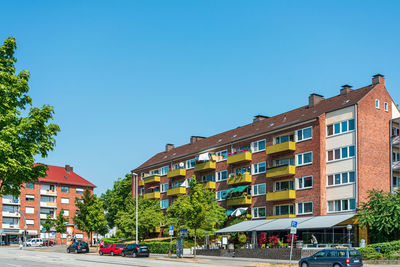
column 319, row 159
column 49, row 195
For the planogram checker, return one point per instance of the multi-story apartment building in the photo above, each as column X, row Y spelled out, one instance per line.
column 48, row 196
column 319, row 159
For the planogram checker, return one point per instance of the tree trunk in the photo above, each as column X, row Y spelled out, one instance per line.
column 194, row 251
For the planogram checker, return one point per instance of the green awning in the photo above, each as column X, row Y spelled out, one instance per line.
column 239, row 189
column 228, row 212
column 230, row 190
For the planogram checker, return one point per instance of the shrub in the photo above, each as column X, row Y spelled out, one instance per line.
column 159, row 247
column 242, row 238
column 262, row 239
column 273, row 240
column 110, row 240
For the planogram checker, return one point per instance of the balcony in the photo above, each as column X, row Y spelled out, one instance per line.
column 44, row 216
column 396, row 140
column 48, row 204
column 151, row 179
column 176, row 191
column 141, row 183
column 245, row 178
column 209, row 185
column 281, row 195
column 14, row 214
column 48, row 192
column 239, row 157
column 280, row 171
column 281, row 216
column 10, row 226
column 396, row 165
column 243, row 200
column 11, row 201
column 176, row 173
column 288, row 146
column 205, row 166
column 152, row 195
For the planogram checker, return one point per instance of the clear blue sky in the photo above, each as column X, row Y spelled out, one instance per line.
column 127, row 77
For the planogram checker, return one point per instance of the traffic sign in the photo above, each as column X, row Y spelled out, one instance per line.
column 293, row 224
column 183, row 232
column 171, row 228
column 25, row 227
column 293, row 230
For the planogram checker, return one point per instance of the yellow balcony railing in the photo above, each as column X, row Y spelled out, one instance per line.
column 281, row 195
column 282, row 147
column 281, row 216
column 241, row 179
column 141, row 183
column 209, row 185
column 281, row 171
column 244, row 200
column 239, row 157
column 153, row 195
column 176, row 173
column 151, row 179
column 176, row 191
column 205, row 166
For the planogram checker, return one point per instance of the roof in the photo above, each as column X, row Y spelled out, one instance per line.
column 57, row 174
column 315, row 222
column 292, row 117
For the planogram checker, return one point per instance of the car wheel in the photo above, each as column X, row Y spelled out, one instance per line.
column 76, row 251
column 304, row 264
column 123, row 254
column 134, row 255
column 336, row 265
column 68, row 250
column 112, row 253
column 101, row 253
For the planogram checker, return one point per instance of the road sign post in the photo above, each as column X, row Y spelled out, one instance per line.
column 293, row 231
column 171, row 233
column 182, row 233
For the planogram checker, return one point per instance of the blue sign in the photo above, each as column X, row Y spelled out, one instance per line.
column 183, row 232
column 293, row 224
column 171, row 228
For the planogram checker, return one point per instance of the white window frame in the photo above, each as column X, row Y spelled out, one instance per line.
column 303, row 181
column 340, row 128
column 79, row 191
column 219, row 174
column 377, row 104
column 64, row 200
column 397, row 178
column 386, row 105
column 255, row 212
column 30, row 197
column 220, row 154
column 162, row 170
column 341, row 153
column 164, row 188
column 293, row 207
column 302, row 204
column 66, row 213
column 341, row 205
column 276, row 138
column 164, row 201
column 341, row 179
column 395, row 156
column 253, row 167
column 186, row 164
column 302, row 155
column 282, row 181
column 254, row 146
column 220, row 193
column 29, row 210
column 302, row 130
column 256, row 186
column 30, row 222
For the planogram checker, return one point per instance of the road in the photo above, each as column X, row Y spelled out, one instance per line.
column 49, row 257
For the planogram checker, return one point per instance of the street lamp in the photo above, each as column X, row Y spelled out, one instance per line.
column 136, row 183
column 348, row 227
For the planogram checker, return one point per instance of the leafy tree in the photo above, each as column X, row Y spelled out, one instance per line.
column 90, row 217
column 22, row 137
column 381, row 215
column 197, row 210
column 48, row 223
column 61, row 222
column 150, row 216
column 114, row 199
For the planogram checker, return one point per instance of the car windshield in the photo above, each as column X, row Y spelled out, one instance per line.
column 120, row 246
column 143, row 246
column 354, row 253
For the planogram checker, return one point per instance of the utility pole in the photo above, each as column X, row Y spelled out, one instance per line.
column 136, row 184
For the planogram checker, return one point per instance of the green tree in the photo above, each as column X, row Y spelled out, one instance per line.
column 197, row 210
column 150, row 217
column 22, row 137
column 381, row 215
column 90, row 214
column 114, row 199
column 61, row 222
column 48, row 223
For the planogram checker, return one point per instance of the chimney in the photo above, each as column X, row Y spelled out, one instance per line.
column 345, row 89
column 378, row 78
column 69, row 168
column 169, row 147
column 194, row 139
column 314, row 99
column 259, row 118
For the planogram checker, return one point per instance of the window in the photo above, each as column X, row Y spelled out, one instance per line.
column 377, row 104
column 30, row 222
column 341, row 205
column 221, row 195
column 304, row 158
column 396, row 181
column 47, row 199
column 208, row 178
column 221, row 155
column 341, row 178
column 63, row 236
column 47, row 187
column 154, row 172
column 284, row 185
column 64, row 189
column 258, row 146
column 66, row 213
column 64, row 200
column 304, row 134
column 305, row 182
column 11, row 208
column 222, row 176
column 29, row 210
column 190, row 163
column 283, row 162
column 30, row 198
column 12, row 221
column 164, row 188
column 164, row 203
column 259, row 189
column 341, row 153
column 395, row 156
column 164, row 170
column 79, row 191
column 259, row 168
column 283, row 139
column 395, row 131
column 386, row 107
column 284, row 210
column 259, row 212
column 340, row 127
column 30, row 185
column 305, row 208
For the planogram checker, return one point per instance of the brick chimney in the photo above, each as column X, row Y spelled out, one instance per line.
column 314, row 99
column 259, row 118
column 194, row 139
column 69, row 168
column 345, row 89
column 378, row 78
column 169, row 147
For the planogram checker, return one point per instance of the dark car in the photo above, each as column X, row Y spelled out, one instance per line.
column 136, row 250
column 48, row 243
column 333, row 257
column 78, row 247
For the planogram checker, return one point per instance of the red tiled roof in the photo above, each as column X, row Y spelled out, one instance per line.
column 295, row 116
column 57, row 174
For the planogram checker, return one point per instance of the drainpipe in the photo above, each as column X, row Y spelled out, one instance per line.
column 356, row 169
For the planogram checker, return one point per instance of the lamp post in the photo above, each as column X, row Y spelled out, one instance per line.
column 25, row 227
column 348, row 227
column 136, row 183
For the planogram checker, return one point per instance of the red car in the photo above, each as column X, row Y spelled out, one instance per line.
column 112, row 249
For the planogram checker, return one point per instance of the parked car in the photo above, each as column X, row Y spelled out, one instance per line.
column 34, row 242
column 78, row 247
column 48, row 243
column 112, row 249
column 333, row 257
column 136, row 250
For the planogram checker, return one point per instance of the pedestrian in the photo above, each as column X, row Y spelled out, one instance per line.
column 314, row 241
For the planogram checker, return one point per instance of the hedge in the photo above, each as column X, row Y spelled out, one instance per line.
column 381, row 251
